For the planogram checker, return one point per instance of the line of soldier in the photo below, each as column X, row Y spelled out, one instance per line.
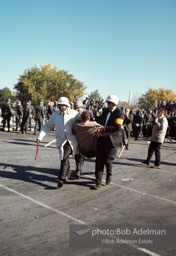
column 138, row 123
column 23, row 118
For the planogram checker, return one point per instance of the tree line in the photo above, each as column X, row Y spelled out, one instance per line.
column 49, row 83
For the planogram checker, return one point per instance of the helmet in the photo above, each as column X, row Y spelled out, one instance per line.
column 63, row 101
column 113, row 98
column 78, row 104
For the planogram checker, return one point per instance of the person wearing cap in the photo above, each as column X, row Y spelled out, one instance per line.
column 6, row 114
column 31, row 115
column 25, row 119
column 39, row 116
column 63, row 120
column 109, row 139
column 79, row 159
column 159, row 131
column 78, row 105
column 49, row 109
column 19, row 114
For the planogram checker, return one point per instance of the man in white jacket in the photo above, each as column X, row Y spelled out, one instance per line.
column 158, row 135
column 63, row 120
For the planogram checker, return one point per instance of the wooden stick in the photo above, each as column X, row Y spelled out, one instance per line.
column 37, row 148
column 50, row 143
column 123, row 148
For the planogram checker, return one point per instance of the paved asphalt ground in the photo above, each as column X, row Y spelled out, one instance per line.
column 35, row 217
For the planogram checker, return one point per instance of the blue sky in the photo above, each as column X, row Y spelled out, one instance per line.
column 113, row 46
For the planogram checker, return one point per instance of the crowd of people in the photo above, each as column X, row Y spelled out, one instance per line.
column 92, row 128
column 138, row 123
column 18, row 117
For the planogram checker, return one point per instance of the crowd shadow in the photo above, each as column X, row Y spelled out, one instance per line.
column 168, row 163
column 27, row 140
column 168, row 147
column 21, row 143
column 31, row 174
column 40, row 175
column 83, row 181
column 125, row 163
column 28, row 143
column 139, row 161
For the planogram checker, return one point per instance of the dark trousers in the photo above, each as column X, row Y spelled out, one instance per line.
column 24, row 125
column 137, row 131
column 30, row 123
column 38, row 124
column 65, row 163
column 127, row 137
column 105, row 155
column 6, row 119
column 154, row 147
column 18, row 121
column 79, row 160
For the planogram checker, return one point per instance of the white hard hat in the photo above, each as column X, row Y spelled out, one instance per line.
column 113, row 98
column 63, row 101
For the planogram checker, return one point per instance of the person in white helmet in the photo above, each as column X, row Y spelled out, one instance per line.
column 63, row 120
column 109, row 140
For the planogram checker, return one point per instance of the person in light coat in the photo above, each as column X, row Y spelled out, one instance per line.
column 158, row 135
column 63, row 120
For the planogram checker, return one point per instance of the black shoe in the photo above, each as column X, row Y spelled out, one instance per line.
column 59, row 183
column 145, row 162
column 75, row 177
column 65, row 180
column 108, row 180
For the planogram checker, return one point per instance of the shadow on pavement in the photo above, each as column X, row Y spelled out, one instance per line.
column 39, row 176
column 30, row 174
column 139, row 160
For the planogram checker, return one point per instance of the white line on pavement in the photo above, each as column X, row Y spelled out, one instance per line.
column 67, row 216
column 43, row 205
column 148, row 252
column 138, row 191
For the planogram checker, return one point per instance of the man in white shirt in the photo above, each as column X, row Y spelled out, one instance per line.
column 63, row 120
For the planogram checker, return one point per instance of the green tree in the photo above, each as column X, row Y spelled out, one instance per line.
column 46, row 83
column 5, row 93
column 95, row 95
column 150, row 99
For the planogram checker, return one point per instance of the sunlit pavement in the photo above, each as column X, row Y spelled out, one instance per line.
column 36, row 216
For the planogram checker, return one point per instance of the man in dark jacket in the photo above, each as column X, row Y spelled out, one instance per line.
column 25, row 119
column 39, row 117
column 6, row 114
column 49, row 110
column 110, row 137
column 137, row 124
column 19, row 115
